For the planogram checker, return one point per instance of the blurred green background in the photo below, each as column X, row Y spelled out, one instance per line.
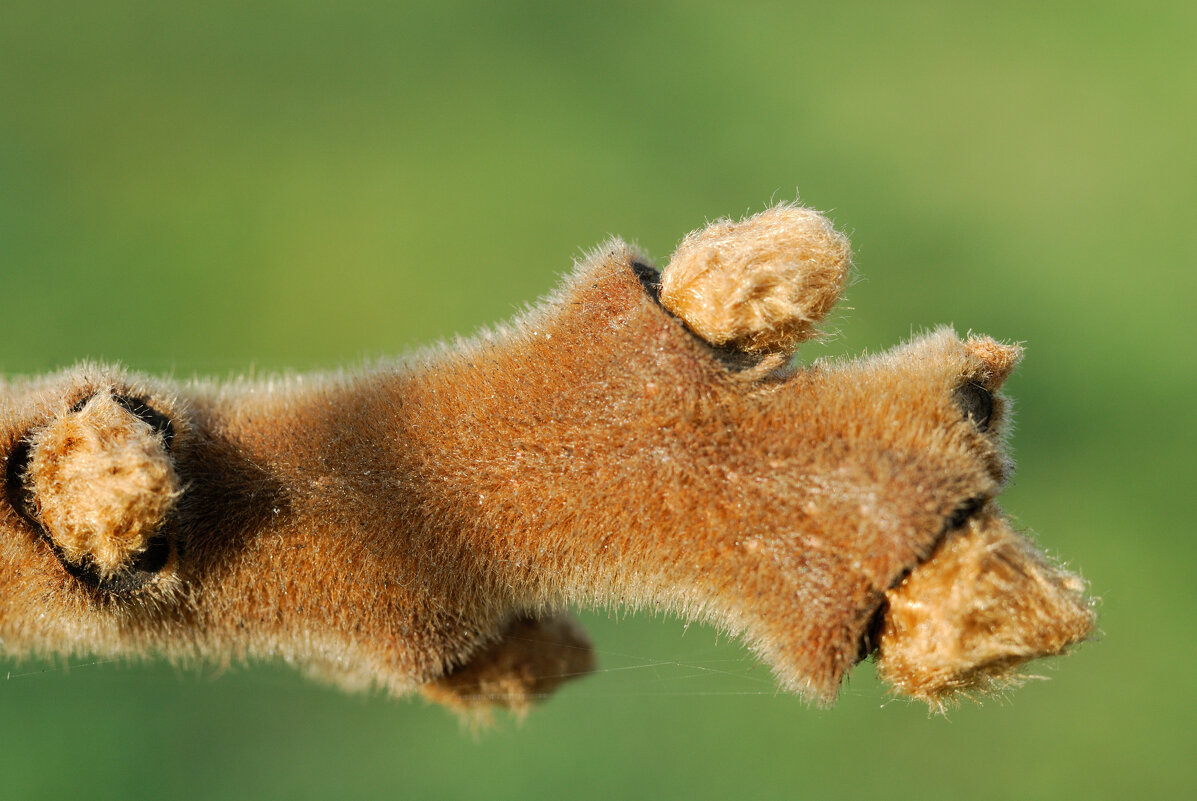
column 217, row 187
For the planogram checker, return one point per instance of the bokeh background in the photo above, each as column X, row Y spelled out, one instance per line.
column 219, row 187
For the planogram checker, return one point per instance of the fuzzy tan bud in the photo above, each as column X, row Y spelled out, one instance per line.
column 103, row 483
column 986, row 602
column 760, row 285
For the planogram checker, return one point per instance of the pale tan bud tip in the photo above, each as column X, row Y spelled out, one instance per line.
column 998, row 358
column 759, row 285
column 103, row 482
